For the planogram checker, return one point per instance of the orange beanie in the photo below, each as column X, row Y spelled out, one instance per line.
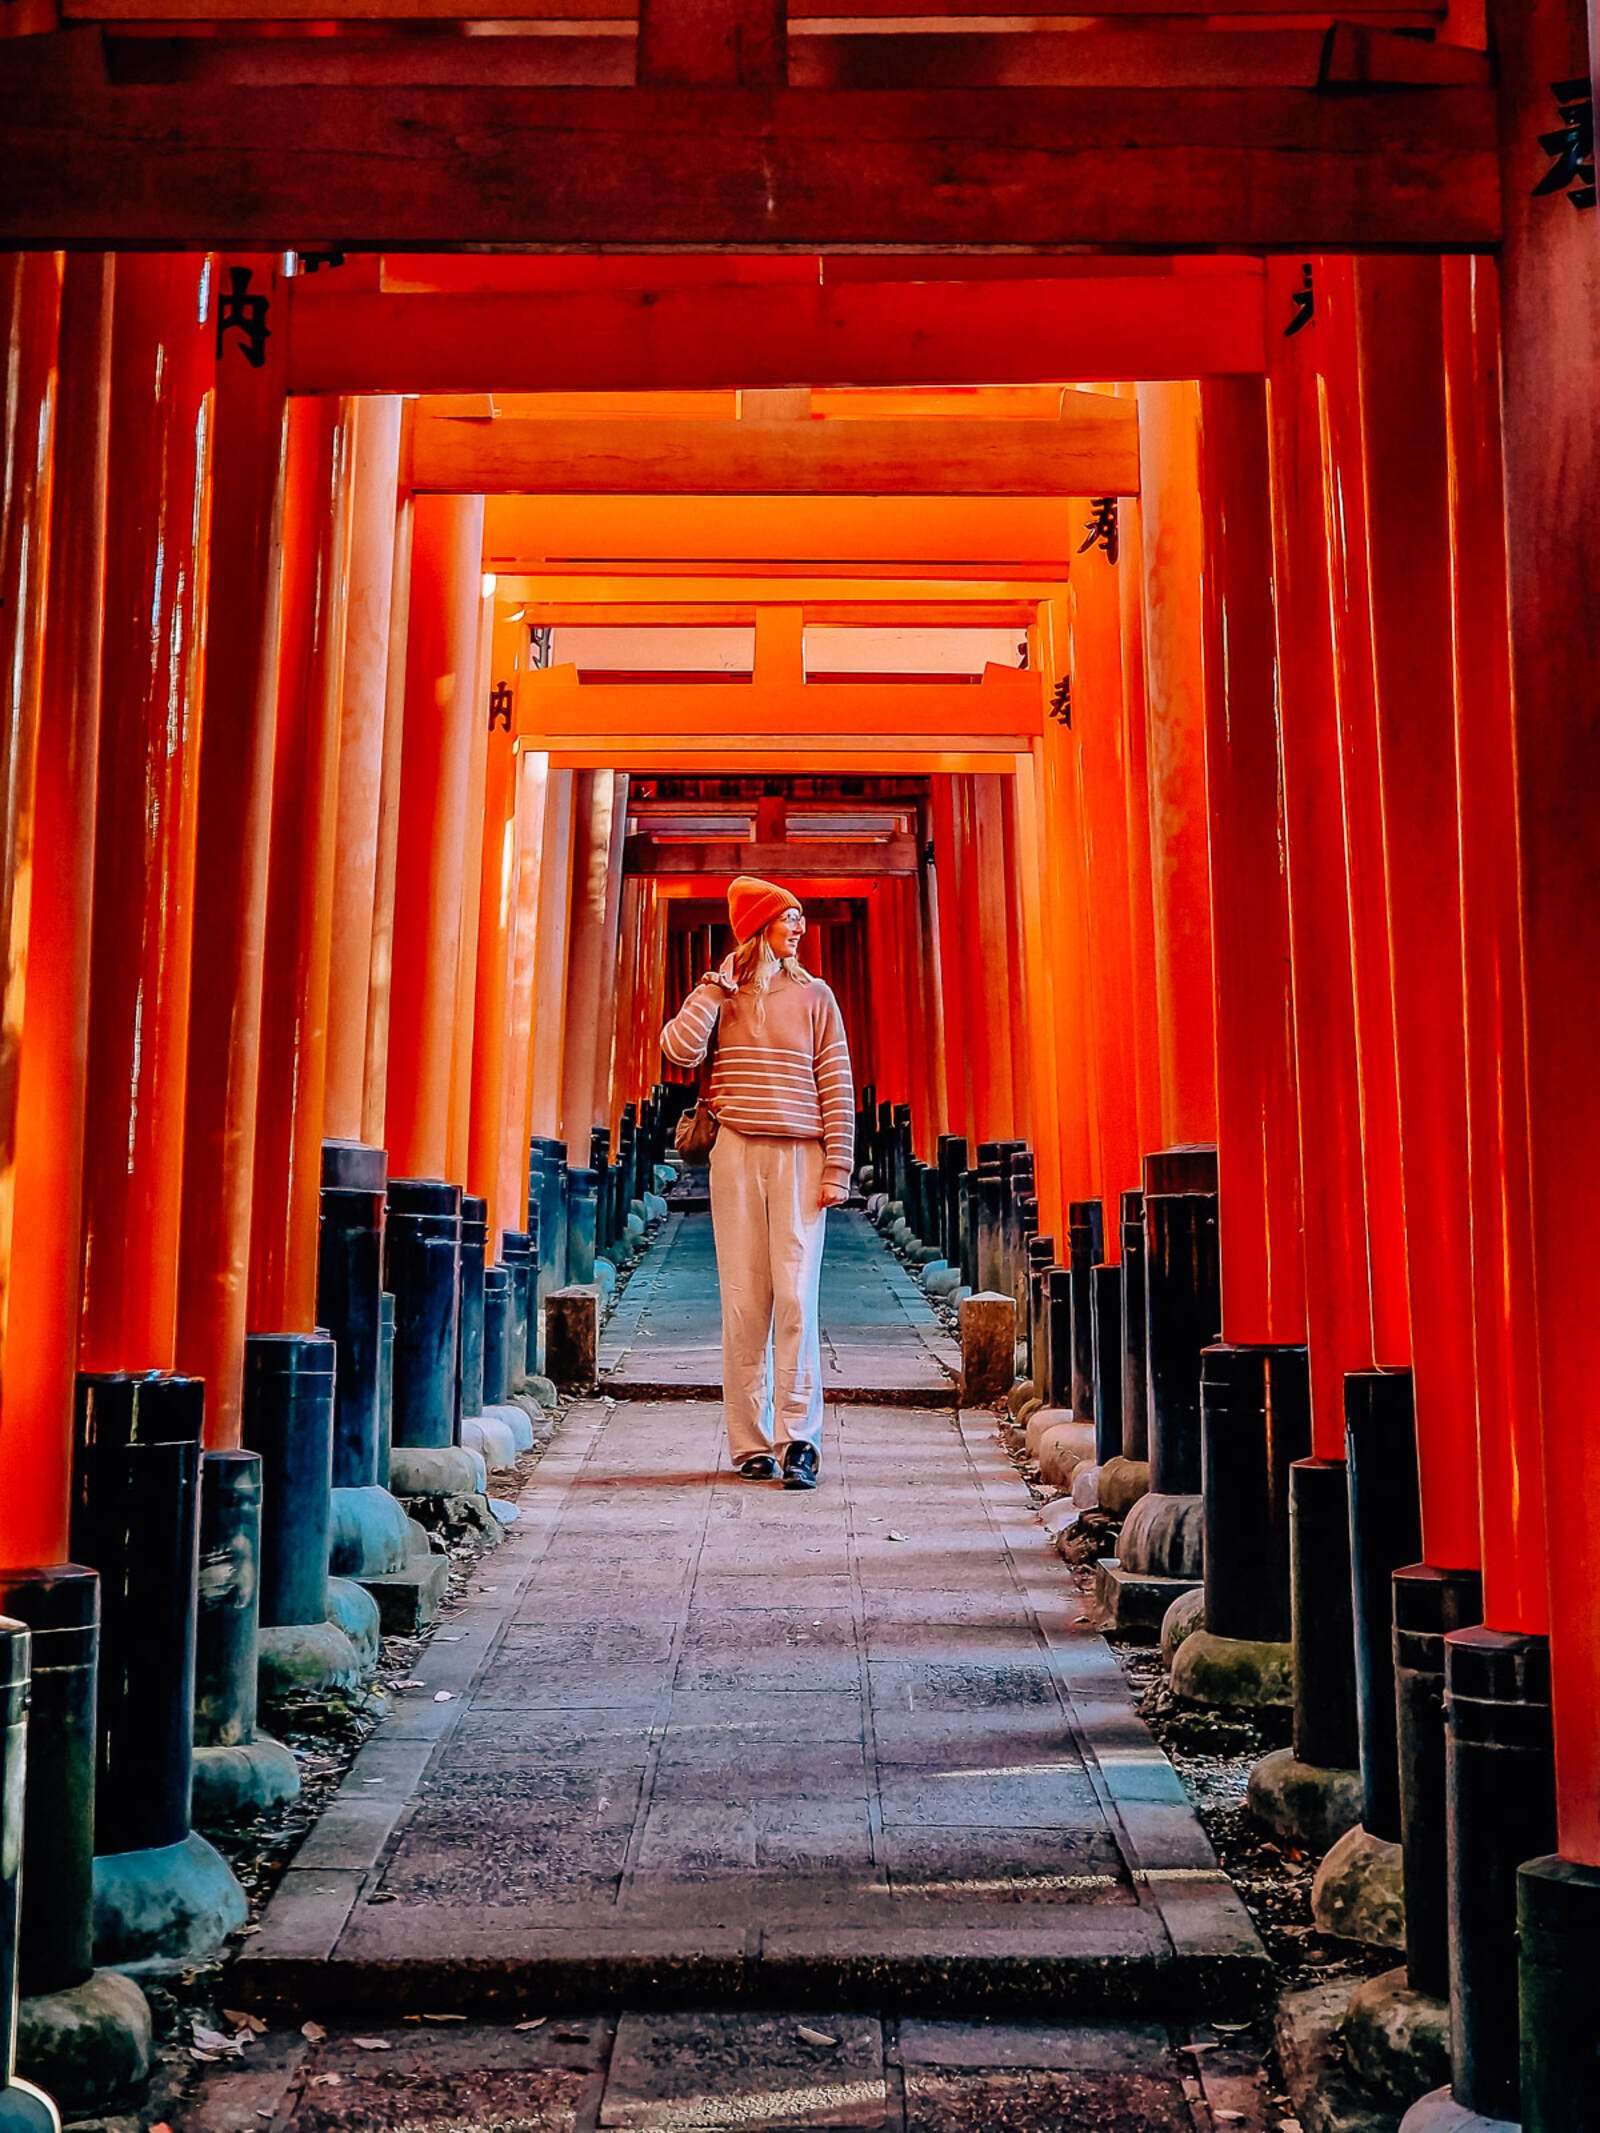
column 753, row 904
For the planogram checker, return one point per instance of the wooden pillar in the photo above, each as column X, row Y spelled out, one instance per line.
column 554, row 935
column 991, row 971
column 1175, row 729
column 947, row 859
column 41, row 1343
column 364, row 697
column 234, row 835
column 440, row 712
column 1400, row 347
column 1510, row 1481
column 473, row 836
column 1039, row 1060
column 610, row 948
column 1332, row 344
column 1550, row 298
column 933, row 983
column 1258, row 1154
column 1338, row 1315
column 591, row 867
column 532, row 771
column 30, row 312
column 286, row 1208
column 497, row 891
column 157, row 531
column 1136, row 761
column 375, row 1076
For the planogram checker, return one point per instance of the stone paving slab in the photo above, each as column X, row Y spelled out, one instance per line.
column 690, row 1739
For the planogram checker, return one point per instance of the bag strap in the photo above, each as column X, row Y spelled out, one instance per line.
column 703, row 1087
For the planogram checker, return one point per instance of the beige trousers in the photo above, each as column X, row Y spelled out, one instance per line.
column 769, row 1234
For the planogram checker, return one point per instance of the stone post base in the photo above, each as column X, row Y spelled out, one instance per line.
column 1360, row 1891
column 174, row 1904
column 88, row 2046
column 235, row 1783
column 1309, row 1804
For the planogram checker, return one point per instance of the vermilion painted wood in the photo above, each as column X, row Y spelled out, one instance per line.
column 158, row 512
column 1399, row 327
column 1338, row 1314
column 1258, row 1154
column 440, row 706
column 554, row 936
column 701, row 42
column 45, row 1288
column 375, row 1080
column 474, row 831
column 938, row 169
column 286, row 1205
column 1175, row 730
column 532, row 771
column 374, row 477
column 30, row 311
column 1055, row 655
column 1333, row 347
column 1511, row 1501
column 1141, row 905
column 494, row 1038
column 1550, row 295
column 667, row 333
column 237, row 727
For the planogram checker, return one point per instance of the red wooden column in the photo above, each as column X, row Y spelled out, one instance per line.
column 1136, row 759
column 991, row 970
column 41, row 1345
column 305, row 814
column 1258, row 1154
column 1332, row 343
column 1550, row 297
column 1175, row 728
column 158, row 523
column 532, row 772
column 441, row 707
column 1510, row 1479
column 554, row 935
column 362, row 750
column 230, row 916
column 1066, row 920
column 30, row 310
column 947, row 859
column 591, row 862
column 1338, row 1320
column 375, row 1081
column 473, row 836
column 497, row 889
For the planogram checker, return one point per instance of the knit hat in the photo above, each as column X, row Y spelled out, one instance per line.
column 753, row 904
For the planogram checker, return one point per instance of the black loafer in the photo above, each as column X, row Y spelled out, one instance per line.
column 760, row 1466
column 801, row 1467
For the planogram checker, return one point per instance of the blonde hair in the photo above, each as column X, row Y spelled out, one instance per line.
column 748, row 969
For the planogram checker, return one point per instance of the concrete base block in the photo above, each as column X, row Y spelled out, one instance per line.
column 1164, row 1536
column 1135, row 1605
column 540, row 1395
column 655, row 1207
column 233, row 1784
column 1398, row 2040
column 1122, row 1483
column 1304, row 1803
column 409, row 1599
column 1440, row 2113
column 367, row 1532
column 941, row 1281
column 172, row 1905
column 307, row 1659
column 1360, row 1891
column 449, row 1470
column 1233, row 1673
column 988, row 1347
column 1181, row 1620
column 88, row 2047
column 605, row 1277
column 572, row 1337
column 491, row 1439
column 636, row 1225
column 1042, row 1419
column 1086, row 1487
column 1062, row 1450
column 355, row 1611
column 522, row 1430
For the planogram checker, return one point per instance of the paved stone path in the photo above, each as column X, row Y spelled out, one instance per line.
column 698, row 1742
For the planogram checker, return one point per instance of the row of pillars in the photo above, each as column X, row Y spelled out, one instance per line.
column 311, row 973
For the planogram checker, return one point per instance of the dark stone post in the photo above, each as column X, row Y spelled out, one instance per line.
column 497, row 1314
column 474, row 1246
column 1085, row 1245
column 61, row 1608
column 1105, row 1305
column 1135, row 1383
column 1429, row 1604
column 349, row 1285
column 422, row 1270
column 1183, row 1307
column 1321, row 1612
column 1255, row 1421
column 581, row 1190
column 288, row 1419
column 22, row 2107
column 1380, row 1436
column 519, row 1256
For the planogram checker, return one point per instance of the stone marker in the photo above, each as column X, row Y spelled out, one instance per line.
column 988, row 1347
column 572, row 1337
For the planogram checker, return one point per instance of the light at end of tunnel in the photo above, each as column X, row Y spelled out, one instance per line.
column 490, row 581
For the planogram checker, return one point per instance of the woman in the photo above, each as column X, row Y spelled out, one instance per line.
column 785, row 1107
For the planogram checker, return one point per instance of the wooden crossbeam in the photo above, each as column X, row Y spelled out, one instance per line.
column 776, row 862
column 1092, row 451
column 88, row 163
column 674, row 337
column 554, row 708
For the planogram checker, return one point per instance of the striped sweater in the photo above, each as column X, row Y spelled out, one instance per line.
column 787, row 1078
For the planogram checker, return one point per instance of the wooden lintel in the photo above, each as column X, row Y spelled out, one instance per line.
column 755, row 169
column 706, row 43
column 1089, row 452
column 554, row 706
column 775, row 862
column 677, row 336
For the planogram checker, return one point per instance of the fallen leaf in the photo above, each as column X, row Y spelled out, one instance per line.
column 894, row 1536
column 327, row 2081
column 313, row 2032
column 382, row 1896
column 442, row 2018
column 570, row 2036
column 1227, row 2118
column 252, row 2022
column 443, row 1696
column 372, row 2044
column 205, row 2058
column 218, row 2042
column 1230, row 2029
column 1198, row 2048
column 538, row 2022
column 818, row 2036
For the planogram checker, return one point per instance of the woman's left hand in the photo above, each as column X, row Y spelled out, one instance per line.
column 832, row 1196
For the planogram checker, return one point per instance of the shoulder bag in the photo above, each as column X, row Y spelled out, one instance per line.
column 696, row 1131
